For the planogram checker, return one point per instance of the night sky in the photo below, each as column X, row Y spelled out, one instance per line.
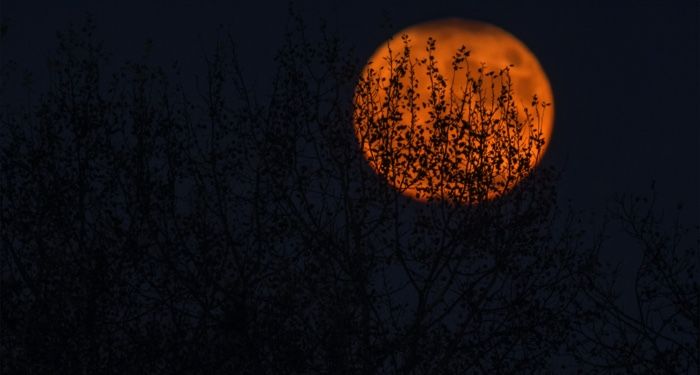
column 625, row 76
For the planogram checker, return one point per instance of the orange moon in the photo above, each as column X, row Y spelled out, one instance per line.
column 490, row 48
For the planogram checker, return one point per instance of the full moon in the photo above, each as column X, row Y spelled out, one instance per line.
column 402, row 112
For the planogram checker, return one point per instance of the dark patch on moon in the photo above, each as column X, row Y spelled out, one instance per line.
column 514, row 57
column 526, row 86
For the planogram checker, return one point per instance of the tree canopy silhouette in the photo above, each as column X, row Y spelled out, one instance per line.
column 152, row 228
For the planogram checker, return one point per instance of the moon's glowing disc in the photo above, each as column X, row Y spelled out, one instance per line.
column 411, row 130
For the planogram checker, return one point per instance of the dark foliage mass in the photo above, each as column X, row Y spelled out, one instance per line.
column 149, row 227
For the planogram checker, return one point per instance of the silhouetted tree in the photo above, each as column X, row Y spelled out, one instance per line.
column 152, row 227
column 413, row 287
column 658, row 331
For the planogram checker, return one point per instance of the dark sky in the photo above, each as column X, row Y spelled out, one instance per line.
column 625, row 76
